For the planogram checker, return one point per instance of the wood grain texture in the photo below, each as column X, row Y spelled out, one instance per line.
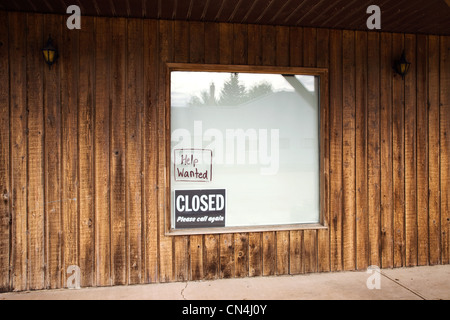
column 53, row 167
column 5, row 193
column 84, row 152
column 411, row 156
column 86, row 126
column 101, row 152
column 386, row 123
column 118, row 155
column 35, row 127
column 445, row 147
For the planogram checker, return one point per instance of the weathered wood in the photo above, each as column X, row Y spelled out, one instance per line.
column 398, row 179
column 362, row 221
column 323, row 243
column 387, row 246
column 151, row 148
column 86, row 92
column 336, row 204
column 119, row 266
column 269, row 253
column 410, row 155
column 422, row 150
column 35, row 105
column 373, row 145
column 84, row 152
column 53, row 179
column 69, row 139
column 166, row 270
column 102, row 151
column 434, row 232
column 349, row 151
column 19, row 156
column 5, row 191
column 133, row 140
column 445, row 146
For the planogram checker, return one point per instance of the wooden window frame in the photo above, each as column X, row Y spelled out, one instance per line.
column 322, row 73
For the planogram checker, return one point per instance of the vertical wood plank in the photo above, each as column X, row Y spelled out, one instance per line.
column 69, row 139
column 166, row 255
column 19, row 159
column 410, row 155
column 349, row 151
column 241, row 254
column 119, row 269
column 197, row 42
column 211, row 257
column 373, row 122
column 398, row 147
column 151, row 47
column 422, row 150
column 386, row 123
column 5, row 192
column 434, row 148
column 102, row 151
column 445, row 146
column 35, row 105
column 133, row 138
column 86, row 152
column 362, row 221
column 336, row 205
column 254, row 45
column 53, row 179
column 323, row 236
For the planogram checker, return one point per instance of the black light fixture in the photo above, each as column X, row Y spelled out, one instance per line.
column 50, row 52
column 402, row 66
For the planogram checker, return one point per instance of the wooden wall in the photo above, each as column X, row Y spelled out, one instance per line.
column 82, row 158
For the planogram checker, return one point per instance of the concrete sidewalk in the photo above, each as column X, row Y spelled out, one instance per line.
column 394, row 284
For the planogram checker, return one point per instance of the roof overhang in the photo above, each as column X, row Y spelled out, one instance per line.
column 404, row 16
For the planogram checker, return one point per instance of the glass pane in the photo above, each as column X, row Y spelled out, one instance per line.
column 248, row 140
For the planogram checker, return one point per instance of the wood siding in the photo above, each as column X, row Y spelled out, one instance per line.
column 83, row 158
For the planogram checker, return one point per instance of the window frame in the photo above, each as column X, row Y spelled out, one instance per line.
column 322, row 73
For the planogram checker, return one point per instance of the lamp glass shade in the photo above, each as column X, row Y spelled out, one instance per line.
column 50, row 53
column 402, row 66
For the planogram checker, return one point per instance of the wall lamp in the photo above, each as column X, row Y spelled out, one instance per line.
column 402, row 66
column 50, row 52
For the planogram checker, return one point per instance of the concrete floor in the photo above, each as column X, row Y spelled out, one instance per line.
column 394, row 284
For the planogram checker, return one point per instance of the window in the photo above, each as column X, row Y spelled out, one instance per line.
column 245, row 149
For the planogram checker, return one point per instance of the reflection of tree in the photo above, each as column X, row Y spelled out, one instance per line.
column 233, row 93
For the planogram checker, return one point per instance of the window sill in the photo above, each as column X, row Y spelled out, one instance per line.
column 228, row 230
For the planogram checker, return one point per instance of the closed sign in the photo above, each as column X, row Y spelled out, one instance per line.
column 200, row 208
